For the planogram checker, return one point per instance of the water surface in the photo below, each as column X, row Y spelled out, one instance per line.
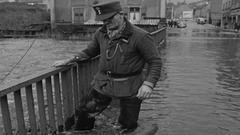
column 200, row 94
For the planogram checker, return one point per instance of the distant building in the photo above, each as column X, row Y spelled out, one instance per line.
column 226, row 9
column 30, row 1
column 235, row 11
column 40, row 2
column 7, row 1
column 170, row 10
column 80, row 11
column 200, row 9
column 187, row 15
column 182, row 11
column 231, row 13
column 215, row 11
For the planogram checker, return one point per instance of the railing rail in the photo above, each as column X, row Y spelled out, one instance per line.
column 51, row 97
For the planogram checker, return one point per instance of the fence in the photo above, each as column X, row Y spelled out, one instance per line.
column 51, row 97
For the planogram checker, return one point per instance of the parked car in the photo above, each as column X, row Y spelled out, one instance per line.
column 181, row 24
column 201, row 20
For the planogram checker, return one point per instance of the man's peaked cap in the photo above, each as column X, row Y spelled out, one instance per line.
column 106, row 10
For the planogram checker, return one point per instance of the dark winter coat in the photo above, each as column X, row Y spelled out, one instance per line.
column 124, row 56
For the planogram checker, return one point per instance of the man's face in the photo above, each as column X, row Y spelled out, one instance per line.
column 114, row 22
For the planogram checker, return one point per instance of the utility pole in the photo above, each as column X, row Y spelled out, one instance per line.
column 172, row 8
column 163, row 8
column 52, row 13
column 159, row 8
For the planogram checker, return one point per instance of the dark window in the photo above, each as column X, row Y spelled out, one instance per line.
column 134, row 9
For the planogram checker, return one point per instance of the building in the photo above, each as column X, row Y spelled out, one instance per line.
column 30, row 1
column 201, row 9
column 231, row 13
column 226, row 9
column 235, row 11
column 80, row 11
column 170, row 10
column 181, row 10
column 187, row 15
column 7, row 1
column 44, row 3
column 215, row 12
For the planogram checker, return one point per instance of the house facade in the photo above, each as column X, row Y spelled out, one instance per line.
column 44, row 3
column 215, row 11
column 181, row 10
column 80, row 11
column 230, row 13
column 226, row 10
column 235, row 11
column 7, row 1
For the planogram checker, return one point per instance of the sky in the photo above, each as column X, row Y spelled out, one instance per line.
column 187, row 1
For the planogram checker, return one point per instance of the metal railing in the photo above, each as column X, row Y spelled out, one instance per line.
column 45, row 103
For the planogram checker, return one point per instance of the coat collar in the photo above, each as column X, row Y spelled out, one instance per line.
column 126, row 32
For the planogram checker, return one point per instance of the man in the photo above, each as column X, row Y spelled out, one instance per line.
column 124, row 49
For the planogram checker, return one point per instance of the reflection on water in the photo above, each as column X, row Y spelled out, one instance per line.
column 228, row 76
column 205, row 33
column 201, row 92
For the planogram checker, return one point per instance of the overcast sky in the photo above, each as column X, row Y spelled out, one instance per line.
column 188, row 1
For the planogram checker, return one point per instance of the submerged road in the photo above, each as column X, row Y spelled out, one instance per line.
column 199, row 93
column 200, row 90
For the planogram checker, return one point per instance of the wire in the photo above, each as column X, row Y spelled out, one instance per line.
column 19, row 61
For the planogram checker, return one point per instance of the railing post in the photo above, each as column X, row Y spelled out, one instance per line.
column 89, row 76
column 75, row 87
column 19, row 112
column 41, row 107
column 50, row 105
column 67, row 99
column 82, row 85
column 74, row 80
column 6, row 115
column 58, row 102
column 31, row 109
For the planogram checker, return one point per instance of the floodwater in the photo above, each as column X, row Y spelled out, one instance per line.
column 200, row 93
column 24, row 57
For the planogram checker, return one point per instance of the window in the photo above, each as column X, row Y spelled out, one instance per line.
column 77, row 15
column 134, row 9
column 134, row 14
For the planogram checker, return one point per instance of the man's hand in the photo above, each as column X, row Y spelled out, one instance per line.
column 60, row 63
column 144, row 92
column 80, row 57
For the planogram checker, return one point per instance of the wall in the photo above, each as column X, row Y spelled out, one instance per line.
column 216, row 11
column 151, row 7
column 63, row 11
column 30, row 1
column 3, row 1
column 178, row 12
column 63, row 8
